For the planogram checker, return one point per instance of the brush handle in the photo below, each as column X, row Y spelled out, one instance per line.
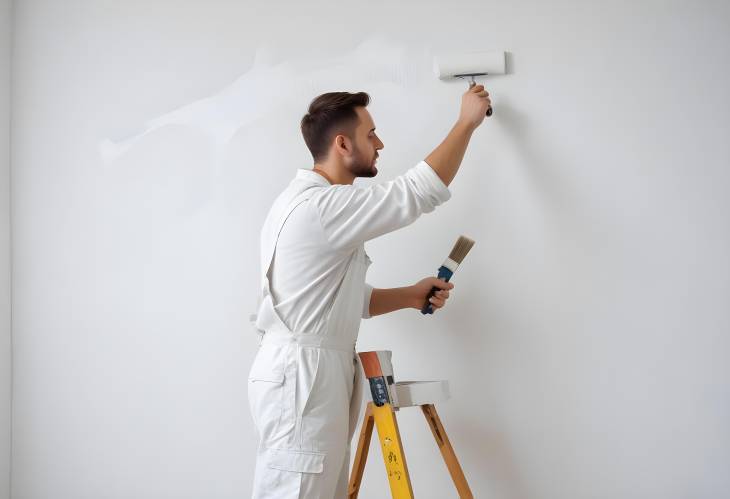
column 445, row 275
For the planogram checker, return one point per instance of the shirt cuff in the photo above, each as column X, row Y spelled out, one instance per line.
column 428, row 180
column 366, row 301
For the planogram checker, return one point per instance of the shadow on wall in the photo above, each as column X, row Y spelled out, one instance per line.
column 551, row 165
column 541, row 166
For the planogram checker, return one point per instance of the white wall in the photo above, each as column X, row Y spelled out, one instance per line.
column 5, row 337
column 587, row 338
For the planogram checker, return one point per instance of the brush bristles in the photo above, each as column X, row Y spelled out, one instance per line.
column 461, row 248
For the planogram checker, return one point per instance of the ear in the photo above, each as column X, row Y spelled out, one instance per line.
column 343, row 145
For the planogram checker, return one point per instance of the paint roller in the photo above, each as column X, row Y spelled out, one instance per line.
column 469, row 65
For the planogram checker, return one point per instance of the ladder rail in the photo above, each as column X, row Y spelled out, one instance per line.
column 361, row 456
column 447, row 451
column 394, row 456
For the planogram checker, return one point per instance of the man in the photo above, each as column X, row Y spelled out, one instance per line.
column 314, row 294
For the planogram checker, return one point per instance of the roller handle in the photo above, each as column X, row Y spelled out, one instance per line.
column 444, row 274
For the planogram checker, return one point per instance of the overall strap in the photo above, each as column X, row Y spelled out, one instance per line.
column 266, row 288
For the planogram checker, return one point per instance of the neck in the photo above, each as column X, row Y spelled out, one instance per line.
column 333, row 174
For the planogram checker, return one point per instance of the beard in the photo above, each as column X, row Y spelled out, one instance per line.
column 362, row 166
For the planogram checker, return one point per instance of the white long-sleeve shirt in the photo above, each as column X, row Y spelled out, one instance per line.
column 324, row 236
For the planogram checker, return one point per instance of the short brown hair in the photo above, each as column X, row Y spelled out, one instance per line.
column 328, row 115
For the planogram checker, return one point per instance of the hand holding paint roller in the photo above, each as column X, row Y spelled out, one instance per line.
column 448, row 66
column 475, row 105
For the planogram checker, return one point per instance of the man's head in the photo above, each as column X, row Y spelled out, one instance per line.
column 340, row 132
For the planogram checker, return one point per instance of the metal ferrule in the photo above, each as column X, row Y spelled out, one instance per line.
column 451, row 264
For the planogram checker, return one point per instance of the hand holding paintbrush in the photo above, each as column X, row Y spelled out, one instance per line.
column 446, row 271
column 423, row 291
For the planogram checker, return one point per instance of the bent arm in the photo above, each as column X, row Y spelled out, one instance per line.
column 383, row 301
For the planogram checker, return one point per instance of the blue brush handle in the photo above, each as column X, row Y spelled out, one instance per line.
column 445, row 275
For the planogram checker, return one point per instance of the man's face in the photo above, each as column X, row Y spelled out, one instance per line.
column 366, row 145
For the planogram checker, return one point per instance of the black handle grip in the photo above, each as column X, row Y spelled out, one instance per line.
column 427, row 308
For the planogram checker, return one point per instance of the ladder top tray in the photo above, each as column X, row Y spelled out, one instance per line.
column 412, row 393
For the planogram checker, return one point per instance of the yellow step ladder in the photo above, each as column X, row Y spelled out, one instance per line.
column 382, row 416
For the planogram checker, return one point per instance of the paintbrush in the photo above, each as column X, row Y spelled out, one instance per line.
column 461, row 248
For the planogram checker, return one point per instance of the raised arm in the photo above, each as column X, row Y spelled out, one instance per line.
column 351, row 215
column 447, row 157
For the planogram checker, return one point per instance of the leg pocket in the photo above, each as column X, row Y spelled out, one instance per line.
column 296, row 460
column 290, row 474
column 265, row 389
column 265, row 403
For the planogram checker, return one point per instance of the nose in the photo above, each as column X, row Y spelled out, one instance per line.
column 380, row 145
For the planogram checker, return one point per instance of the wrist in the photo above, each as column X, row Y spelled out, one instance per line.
column 413, row 300
column 465, row 126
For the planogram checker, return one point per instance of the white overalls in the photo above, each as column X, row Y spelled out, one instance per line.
column 304, row 385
